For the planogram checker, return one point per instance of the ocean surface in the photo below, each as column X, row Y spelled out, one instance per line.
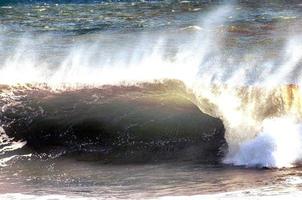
column 150, row 99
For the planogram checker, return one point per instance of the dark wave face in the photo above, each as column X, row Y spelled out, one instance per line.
column 143, row 123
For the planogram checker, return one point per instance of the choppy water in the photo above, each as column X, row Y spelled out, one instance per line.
column 148, row 100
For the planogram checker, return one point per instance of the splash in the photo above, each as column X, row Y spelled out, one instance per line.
column 261, row 123
column 8, row 145
column 277, row 145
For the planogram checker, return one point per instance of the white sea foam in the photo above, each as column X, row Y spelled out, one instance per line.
column 20, row 196
column 7, row 145
column 279, row 144
column 238, row 195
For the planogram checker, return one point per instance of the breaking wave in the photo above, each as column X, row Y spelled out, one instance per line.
column 113, row 97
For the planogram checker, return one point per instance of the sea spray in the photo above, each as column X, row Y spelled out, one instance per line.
column 248, row 113
column 278, row 144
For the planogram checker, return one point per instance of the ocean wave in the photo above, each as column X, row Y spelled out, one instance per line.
column 143, row 122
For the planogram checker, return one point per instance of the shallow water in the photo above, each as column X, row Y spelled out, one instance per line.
column 72, row 177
